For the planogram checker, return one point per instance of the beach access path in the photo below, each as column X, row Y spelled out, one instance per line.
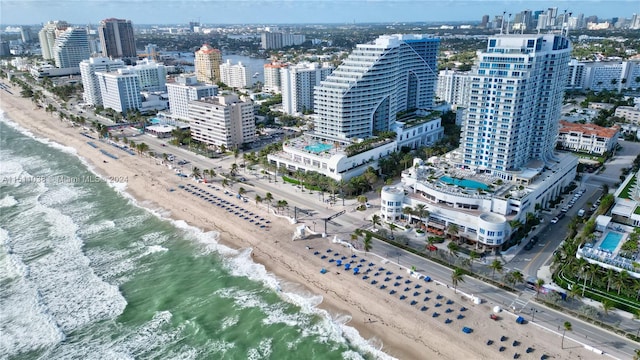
column 405, row 331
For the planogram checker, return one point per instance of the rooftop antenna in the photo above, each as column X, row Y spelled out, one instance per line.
column 509, row 20
column 502, row 22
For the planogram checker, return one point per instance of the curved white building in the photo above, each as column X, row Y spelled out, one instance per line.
column 391, row 200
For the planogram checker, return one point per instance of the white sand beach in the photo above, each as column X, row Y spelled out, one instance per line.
column 405, row 331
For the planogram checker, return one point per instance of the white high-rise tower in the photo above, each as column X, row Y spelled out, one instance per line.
column 514, row 103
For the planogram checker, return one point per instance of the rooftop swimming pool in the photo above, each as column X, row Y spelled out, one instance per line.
column 464, row 183
column 318, row 147
column 611, row 241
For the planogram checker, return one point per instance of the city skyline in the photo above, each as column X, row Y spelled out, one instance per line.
column 293, row 12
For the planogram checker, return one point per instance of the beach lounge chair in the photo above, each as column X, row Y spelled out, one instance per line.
column 323, row 257
column 373, row 282
column 439, row 297
column 402, row 297
column 331, row 260
column 489, row 342
column 438, row 304
column 389, row 273
column 418, row 286
column 424, row 308
column 392, row 292
column 413, row 302
column 371, row 264
column 449, row 302
column 426, row 299
column 406, row 289
column 435, row 314
column 502, row 348
column 448, row 311
column 516, row 356
column 407, row 281
column 529, row 350
column 467, row 330
column 515, row 343
column 387, row 279
column 428, row 291
column 396, row 284
column 416, row 293
column 383, row 286
column 398, row 277
column 503, row 338
column 448, row 321
column 460, row 316
column 365, row 277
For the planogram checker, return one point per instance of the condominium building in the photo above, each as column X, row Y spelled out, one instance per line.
column 272, row 79
column 514, row 103
column 184, row 89
column 453, row 86
column 506, row 166
column 222, row 120
column 88, row 69
column 152, row 75
column 612, row 76
column 587, row 138
column 394, row 73
column 70, row 48
column 236, row 76
column 629, row 113
column 48, row 35
column 120, row 90
column 116, row 38
column 277, row 40
column 207, row 63
column 298, row 83
column 576, row 76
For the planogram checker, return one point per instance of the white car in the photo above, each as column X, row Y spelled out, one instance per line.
column 554, row 220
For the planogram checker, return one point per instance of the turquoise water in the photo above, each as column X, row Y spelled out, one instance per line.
column 464, row 183
column 154, row 121
column 318, row 147
column 88, row 274
column 611, row 241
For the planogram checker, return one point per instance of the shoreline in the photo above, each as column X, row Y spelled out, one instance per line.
column 405, row 331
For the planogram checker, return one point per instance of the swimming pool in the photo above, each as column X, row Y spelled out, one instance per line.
column 464, row 183
column 611, row 241
column 318, row 147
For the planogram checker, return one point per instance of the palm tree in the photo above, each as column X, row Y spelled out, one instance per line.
column 421, row 211
column 517, row 277
column 636, row 354
column 566, row 327
column 452, row 230
column 258, row 199
column 224, row 183
column 375, row 220
column 473, row 256
column 212, row 173
column 234, row 169
column 392, row 227
column 453, row 249
column 592, row 271
column 539, row 285
column 195, row 172
column 621, row 279
column 242, row 191
column 367, row 243
column 457, row 276
column 574, row 292
column 236, row 153
column 268, row 198
column 607, row 305
column 496, row 265
column 610, row 277
column 515, row 224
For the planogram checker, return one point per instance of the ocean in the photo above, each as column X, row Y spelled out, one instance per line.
column 86, row 272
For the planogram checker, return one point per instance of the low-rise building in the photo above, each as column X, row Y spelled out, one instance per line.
column 588, row 138
column 184, row 89
column 629, row 113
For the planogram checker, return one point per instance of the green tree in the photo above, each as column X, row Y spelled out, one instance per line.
column 453, row 249
column 367, row 243
column 539, row 284
column 268, row 198
column 565, row 327
column 392, row 227
column 258, row 199
column 375, row 220
column 496, row 265
column 457, row 276
column 473, row 256
column 607, row 305
column 195, row 172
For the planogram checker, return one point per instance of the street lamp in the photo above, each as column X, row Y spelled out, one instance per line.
column 533, row 314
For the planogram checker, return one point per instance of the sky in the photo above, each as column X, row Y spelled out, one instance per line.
column 14, row 12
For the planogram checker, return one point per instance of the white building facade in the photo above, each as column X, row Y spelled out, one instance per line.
column 453, row 86
column 588, row 138
column 272, row 79
column 235, row 76
column 120, row 90
column 153, row 75
column 184, row 89
column 629, row 113
column 362, row 96
column 70, row 48
column 515, row 101
column 222, row 120
column 298, row 83
column 88, row 69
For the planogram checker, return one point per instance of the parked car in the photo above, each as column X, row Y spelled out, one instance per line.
column 535, row 239
column 529, row 246
column 554, row 220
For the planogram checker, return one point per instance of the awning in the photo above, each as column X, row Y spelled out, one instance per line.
column 436, row 225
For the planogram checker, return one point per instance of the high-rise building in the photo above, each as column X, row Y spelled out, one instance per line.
column 25, row 34
column 71, row 47
column 236, row 76
column 394, row 73
column 120, row 90
column 5, row 50
column 515, row 102
column 635, row 22
column 184, row 89
column 453, row 86
column 277, row 40
column 272, row 79
column 222, row 120
column 207, row 64
column 116, row 37
column 152, row 75
column 48, row 35
column 485, row 21
column 298, row 83
column 151, row 52
column 88, row 69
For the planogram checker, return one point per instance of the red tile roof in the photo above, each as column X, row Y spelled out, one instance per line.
column 588, row 129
